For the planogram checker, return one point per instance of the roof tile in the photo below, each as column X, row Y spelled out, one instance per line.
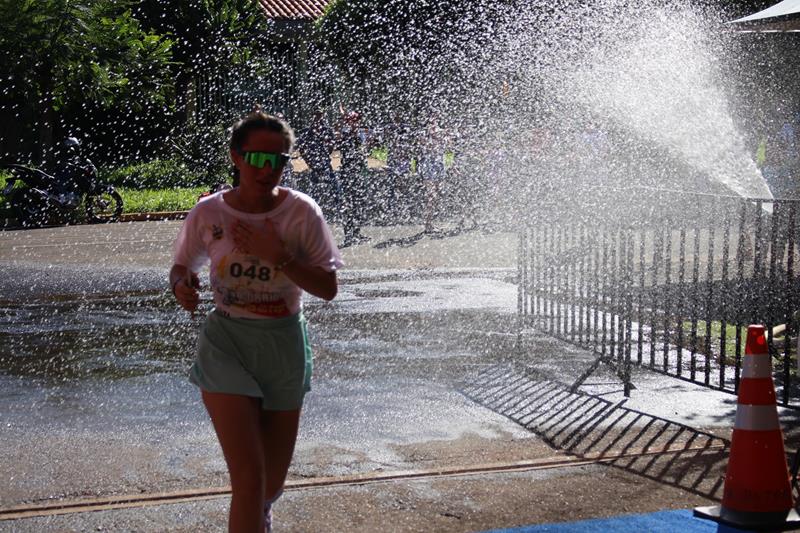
column 293, row 9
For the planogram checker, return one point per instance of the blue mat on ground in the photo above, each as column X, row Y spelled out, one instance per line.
column 660, row 522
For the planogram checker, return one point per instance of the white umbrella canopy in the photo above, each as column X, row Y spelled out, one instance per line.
column 764, row 20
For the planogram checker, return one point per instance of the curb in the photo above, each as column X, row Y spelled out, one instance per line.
column 163, row 215
column 11, row 223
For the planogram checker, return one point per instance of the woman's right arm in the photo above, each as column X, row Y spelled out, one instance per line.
column 184, row 285
column 189, row 249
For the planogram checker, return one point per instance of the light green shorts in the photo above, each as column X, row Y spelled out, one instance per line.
column 264, row 358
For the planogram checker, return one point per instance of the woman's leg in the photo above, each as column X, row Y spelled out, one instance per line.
column 431, row 196
column 237, row 423
column 348, row 207
column 278, row 435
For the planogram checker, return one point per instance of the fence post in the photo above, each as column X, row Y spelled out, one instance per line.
column 640, row 300
column 581, row 281
column 521, row 308
column 709, row 303
column 695, row 297
column 740, row 251
column 658, row 246
column 679, row 304
column 595, row 316
column 604, row 293
column 723, row 338
column 628, row 311
column 667, row 296
column 787, row 374
column 551, row 277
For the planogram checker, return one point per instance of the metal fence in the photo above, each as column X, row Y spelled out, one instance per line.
column 671, row 287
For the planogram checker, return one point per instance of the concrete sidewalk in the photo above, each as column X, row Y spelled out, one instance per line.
column 449, row 503
column 147, row 244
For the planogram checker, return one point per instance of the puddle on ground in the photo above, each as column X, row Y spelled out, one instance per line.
column 108, row 337
column 125, row 335
column 79, row 372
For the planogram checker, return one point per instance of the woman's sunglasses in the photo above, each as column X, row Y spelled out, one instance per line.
column 260, row 159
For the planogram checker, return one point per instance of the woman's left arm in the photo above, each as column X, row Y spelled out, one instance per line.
column 313, row 280
column 268, row 245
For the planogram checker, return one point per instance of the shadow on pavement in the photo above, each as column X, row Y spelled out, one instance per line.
column 403, row 242
column 589, row 426
column 411, row 240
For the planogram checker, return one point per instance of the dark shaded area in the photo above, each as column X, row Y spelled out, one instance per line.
column 411, row 240
column 105, row 338
column 589, row 426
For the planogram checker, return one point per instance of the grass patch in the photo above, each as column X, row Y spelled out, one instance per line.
column 5, row 209
column 716, row 335
column 156, row 200
column 381, row 153
column 730, row 342
column 138, row 201
column 155, row 174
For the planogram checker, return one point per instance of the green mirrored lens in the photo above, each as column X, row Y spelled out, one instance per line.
column 251, row 158
column 273, row 160
column 260, row 159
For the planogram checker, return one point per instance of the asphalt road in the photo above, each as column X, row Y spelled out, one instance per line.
column 417, row 367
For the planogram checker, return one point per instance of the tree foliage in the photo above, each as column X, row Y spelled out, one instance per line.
column 422, row 46
column 219, row 48
column 208, row 35
column 116, row 67
column 66, row 55
column 79, row 50
column 369, row 37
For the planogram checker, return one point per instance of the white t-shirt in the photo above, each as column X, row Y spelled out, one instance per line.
column 244, row 285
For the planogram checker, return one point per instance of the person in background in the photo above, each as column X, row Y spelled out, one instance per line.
column 288, row 179
column 352, row 173
column 431, row 167
column 266, row 244
column 399, row 141
column 316, row 143
column 778, row 157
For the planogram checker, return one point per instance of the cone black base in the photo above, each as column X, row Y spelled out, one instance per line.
column 785, row 521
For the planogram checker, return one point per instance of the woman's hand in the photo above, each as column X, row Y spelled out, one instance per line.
column 267, row 245
column 185, row 285
column 264, row 244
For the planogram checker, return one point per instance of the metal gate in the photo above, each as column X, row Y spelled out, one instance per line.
column 671, row 290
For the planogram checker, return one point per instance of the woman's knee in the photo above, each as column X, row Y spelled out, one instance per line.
column 281, row 424
column 250, row 479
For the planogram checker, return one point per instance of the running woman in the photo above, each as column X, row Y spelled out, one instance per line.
column 266, row 244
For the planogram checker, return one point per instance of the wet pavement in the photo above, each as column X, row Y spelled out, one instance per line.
column 106, row 375
column 418, row 365
column 94, row 354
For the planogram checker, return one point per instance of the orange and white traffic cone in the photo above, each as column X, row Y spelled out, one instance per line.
column 758, row 492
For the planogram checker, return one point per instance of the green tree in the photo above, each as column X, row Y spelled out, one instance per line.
column 62, row 54
column 211, row 37
column 417, row 45
column 220, row 51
